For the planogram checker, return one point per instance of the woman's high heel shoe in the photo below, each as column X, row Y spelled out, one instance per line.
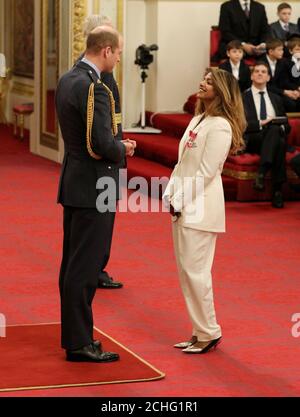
column 183, row 345
column 203, row 347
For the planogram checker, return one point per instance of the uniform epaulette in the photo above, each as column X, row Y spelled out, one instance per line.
column 114, row 124
column 90, row 115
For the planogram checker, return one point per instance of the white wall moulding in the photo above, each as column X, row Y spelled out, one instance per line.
column 49, row 68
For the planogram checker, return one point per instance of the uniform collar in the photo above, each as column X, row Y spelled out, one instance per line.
column 92, row 65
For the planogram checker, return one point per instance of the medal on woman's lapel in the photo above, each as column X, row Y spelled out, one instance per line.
column 191, row 139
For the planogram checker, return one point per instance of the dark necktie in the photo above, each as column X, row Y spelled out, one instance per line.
column 263, row 107
column 246, row 9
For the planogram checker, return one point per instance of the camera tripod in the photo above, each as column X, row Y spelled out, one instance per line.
column 143, row 128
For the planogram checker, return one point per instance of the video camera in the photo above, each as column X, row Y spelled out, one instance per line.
column 143, row 57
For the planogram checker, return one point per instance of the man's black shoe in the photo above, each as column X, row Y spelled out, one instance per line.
column 277, row 200
column 97, row 344
column 259, row 183
column 90, row 353
column 109, row 283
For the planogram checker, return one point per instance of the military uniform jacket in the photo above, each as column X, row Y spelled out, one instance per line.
column 80, row 172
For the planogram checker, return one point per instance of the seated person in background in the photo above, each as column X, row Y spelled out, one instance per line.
column 245, row 21
column 283, row 28
column 262, row 136
column 276, row 64
column 236, row 65
column 295, row 164
column 291, row 72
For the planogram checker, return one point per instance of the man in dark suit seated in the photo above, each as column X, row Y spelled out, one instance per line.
column 245, row 21
column 283, row 28
column 277, row 69
column 236, row 65
column 262, row 137
column 92, row 155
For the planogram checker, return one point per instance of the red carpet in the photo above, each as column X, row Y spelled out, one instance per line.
column 32, row 359
column 256, row 287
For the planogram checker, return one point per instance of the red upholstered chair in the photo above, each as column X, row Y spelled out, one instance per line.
column 20, row 111
column 243, row 168
column 215, row 38
column 190, row 104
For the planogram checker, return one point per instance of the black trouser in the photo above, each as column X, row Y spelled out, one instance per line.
column 270, row 144
column 103, row 275
column 86, row 232
column 295, row 164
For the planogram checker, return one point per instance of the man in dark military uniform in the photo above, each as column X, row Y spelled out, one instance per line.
column 86, row 114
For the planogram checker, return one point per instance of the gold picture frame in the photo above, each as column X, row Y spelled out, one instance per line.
column 23, row 38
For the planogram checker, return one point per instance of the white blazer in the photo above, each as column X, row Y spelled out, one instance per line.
column 202, row 163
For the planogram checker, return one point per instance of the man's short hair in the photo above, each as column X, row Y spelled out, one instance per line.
column 282, row 6
column 101, row 38
column 93, row 21
column 234, row 45
column 259, row 64
column 273, row 43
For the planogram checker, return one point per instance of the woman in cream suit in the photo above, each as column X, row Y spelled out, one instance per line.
column 196, row 199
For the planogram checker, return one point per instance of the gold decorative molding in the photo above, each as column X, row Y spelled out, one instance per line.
column 79, row 12
column 96, row 7
column 22, row 89
column 215, row 1
column 293, row 115
column 248, row 175
column 120, row 27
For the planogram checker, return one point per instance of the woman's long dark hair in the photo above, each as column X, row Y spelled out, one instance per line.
column 228, row 103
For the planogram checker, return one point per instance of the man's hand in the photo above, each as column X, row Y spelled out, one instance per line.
column 249, row 48
column 293, row 94
column 265, row 122
column 260, row 49
column 130, row 146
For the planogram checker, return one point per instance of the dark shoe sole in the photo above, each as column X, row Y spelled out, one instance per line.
column 278, row 206
column 81, row 358
column 110, row 287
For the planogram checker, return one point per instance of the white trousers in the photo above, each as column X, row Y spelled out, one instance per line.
column 194, row 251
